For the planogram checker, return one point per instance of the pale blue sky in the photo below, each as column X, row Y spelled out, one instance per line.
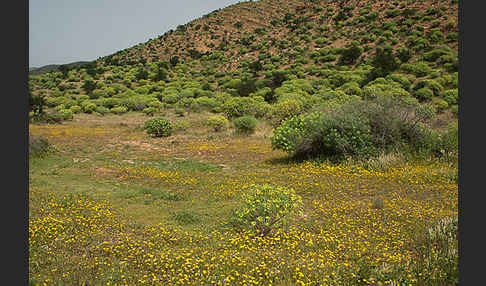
column 64, row 31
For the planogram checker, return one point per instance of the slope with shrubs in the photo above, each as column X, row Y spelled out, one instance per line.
column 272, row 59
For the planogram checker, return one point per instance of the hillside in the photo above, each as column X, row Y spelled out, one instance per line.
column 289, row 29
column 270, row 49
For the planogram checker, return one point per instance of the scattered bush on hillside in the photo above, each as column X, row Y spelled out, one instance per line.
column 266, row 207
column 66, row 114
column 418, row 69
column 245, row 124
column 424, row 93
column 217, row 123
column 451, row 96
column 350, row 55
column 158, row 127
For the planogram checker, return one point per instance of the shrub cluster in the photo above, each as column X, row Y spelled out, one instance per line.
column 158, row 127
column 357, row 128
column 217, row 122
column 245, row 124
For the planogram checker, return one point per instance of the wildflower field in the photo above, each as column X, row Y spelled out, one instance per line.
column 114, row 206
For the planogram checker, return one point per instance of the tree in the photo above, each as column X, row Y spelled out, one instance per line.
column 174, row 60
column 384, row 62
column 36, row 104
column 64, row 69
column 89, row 86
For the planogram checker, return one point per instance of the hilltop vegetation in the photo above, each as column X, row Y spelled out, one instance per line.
column 283, row 142
column 274, row 59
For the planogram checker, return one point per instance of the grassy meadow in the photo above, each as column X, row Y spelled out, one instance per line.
column 114, row 206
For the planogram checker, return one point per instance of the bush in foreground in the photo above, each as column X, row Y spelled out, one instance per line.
column 358, row 127
column 158, row 127
column 266, row 207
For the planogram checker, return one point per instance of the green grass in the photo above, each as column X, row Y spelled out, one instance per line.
column 125, row 206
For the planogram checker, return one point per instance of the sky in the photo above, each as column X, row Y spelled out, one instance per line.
column 65, row 31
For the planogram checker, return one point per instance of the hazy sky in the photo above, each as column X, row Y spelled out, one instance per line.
column 64, row 31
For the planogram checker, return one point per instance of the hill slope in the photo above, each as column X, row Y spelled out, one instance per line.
column 275, row 50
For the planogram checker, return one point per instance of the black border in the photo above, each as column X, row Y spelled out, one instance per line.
column 15, row 21
column 471, row 126
column 15, row 175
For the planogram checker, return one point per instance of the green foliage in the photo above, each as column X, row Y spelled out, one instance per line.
column 433, row 85
column 88, row 86
column 158, row 127
column 37, row 103
column 285, row 109
column 217, row 122
column 384, row 62
column 418, row 69
column 350, row 55
column 88, row 107
column 441, row 104
column 451, row 96
column 424, row 93
column 288, row 134
column 66, row 114
column 355, row 128
column 76, row 109
column 245, row 124
column 435, row 54
column 266, row 207
column 119, row 109
column 240, row 106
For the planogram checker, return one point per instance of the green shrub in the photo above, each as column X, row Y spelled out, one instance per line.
column 354, row 128
column 217, row 122
column 450, row 140
column 451, row 96
column 66, row 114
column 350, row 55
column 102, row 110
column 245, row 124
column 266, row 207
column 418, row 69
column 149, row 111
column 441, row 105
column 455, row 109
column 285, row 109
column 119, row 109
column 435, row 54
column 239, row 106
column 424, row 93
column 89, row 107
column 158, row 127
column 288, row 134
column 180, row 111
column 76, row 109
column 433, row 85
